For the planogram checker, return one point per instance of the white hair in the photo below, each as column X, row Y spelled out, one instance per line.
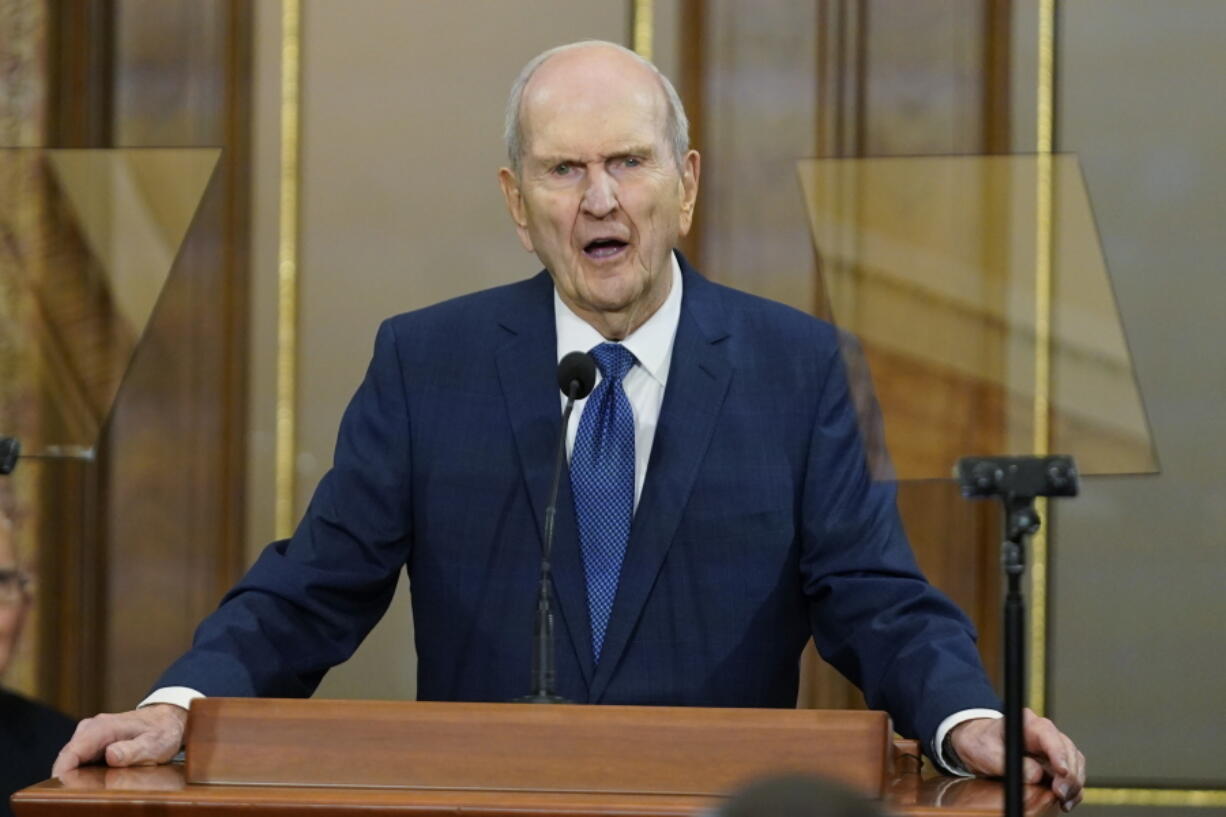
column 677, row 125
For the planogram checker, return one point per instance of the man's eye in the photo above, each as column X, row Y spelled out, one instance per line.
column 632, row 161
column 561, row 169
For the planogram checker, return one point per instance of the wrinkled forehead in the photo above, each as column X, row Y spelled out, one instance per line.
column 581, row 102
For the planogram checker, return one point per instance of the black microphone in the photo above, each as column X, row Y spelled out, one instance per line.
column 578, row 371
column 10, row 451
column 576, row 379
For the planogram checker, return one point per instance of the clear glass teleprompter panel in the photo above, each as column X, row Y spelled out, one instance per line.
column 932, row 265
column 87, row 241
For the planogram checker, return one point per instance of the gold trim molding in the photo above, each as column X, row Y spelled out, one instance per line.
column 643, row 29
column 1156, row 798
column 1044, row 142
column 1044, row 145
column 287, row 271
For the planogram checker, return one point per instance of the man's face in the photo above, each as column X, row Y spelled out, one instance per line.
column 13, row 601
column 600, row 198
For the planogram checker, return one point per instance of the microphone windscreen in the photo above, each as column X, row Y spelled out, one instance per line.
column 577, row 367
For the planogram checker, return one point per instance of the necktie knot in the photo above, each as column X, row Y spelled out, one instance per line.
column 613, row 360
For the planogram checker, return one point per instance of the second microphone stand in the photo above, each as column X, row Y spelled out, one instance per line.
column 1021, row 522
column 1016, row 481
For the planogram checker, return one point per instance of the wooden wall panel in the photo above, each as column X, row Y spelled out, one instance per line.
column 175, row 446
column 137, row 546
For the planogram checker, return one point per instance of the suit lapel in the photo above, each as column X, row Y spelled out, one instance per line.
column 526, row 371
column 698, row 381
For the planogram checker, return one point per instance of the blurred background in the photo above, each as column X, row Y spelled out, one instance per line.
column 356, row 179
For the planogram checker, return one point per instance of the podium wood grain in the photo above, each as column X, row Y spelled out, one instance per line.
column 508, row 747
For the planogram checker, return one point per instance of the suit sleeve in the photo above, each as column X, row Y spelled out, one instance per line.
column 874, row 615
column 308, row 601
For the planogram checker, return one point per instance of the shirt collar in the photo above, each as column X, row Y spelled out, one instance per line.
column 651, row 344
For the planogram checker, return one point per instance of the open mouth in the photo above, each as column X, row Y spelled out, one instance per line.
column 603, row 248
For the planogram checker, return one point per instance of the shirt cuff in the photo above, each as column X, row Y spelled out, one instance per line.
column 938, row 742
column 179, row 696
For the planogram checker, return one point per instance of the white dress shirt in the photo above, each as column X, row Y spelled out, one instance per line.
column 652, row 347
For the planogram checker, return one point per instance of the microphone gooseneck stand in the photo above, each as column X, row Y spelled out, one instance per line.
column 1016, row 481
column 576, row 378
column 544, row 673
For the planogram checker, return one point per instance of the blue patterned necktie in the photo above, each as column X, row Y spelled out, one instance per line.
column 602, row 480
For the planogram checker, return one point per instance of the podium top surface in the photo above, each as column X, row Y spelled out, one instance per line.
column 137, row 790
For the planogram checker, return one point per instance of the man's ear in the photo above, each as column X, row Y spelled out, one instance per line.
column 509, row 183
column 690, row 168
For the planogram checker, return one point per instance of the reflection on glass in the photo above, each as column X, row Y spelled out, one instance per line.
column 87, row 241
column 931, row 263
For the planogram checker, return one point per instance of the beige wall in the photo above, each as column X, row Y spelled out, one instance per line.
column 1138, row 644
column 402, row 107
column 1135, row 641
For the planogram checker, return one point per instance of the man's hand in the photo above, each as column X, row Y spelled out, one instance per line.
column 1050, row 754
column 143, row 737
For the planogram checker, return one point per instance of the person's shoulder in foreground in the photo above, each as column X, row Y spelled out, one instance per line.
column 31, row 734
column 797, row 795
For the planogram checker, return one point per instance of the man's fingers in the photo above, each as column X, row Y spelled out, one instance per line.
column 1069, row 787
column 144, row 736
column 66, row 761
column 90, row 739
column 1041, row 737
column 1059, row 755
column 147, row 749
column 1044, row 740
column 1049, row 754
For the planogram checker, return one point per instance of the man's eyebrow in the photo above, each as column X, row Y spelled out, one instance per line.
column 629, row 150
column 634, row 150
column 550, row 161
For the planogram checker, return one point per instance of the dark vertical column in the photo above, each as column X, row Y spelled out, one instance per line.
column 175, row 444
column 79, row 62
column 997, row 59
column 136, row 547
column 72, row 541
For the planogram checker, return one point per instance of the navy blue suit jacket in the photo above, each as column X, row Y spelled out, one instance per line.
column 758, row 527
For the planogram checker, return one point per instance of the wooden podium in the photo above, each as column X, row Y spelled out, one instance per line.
column 494, row 760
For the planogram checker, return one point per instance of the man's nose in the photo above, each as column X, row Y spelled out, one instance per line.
column 600, row 197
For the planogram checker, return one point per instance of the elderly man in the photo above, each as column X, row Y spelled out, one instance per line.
column 718, row 514
column 30, row 733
